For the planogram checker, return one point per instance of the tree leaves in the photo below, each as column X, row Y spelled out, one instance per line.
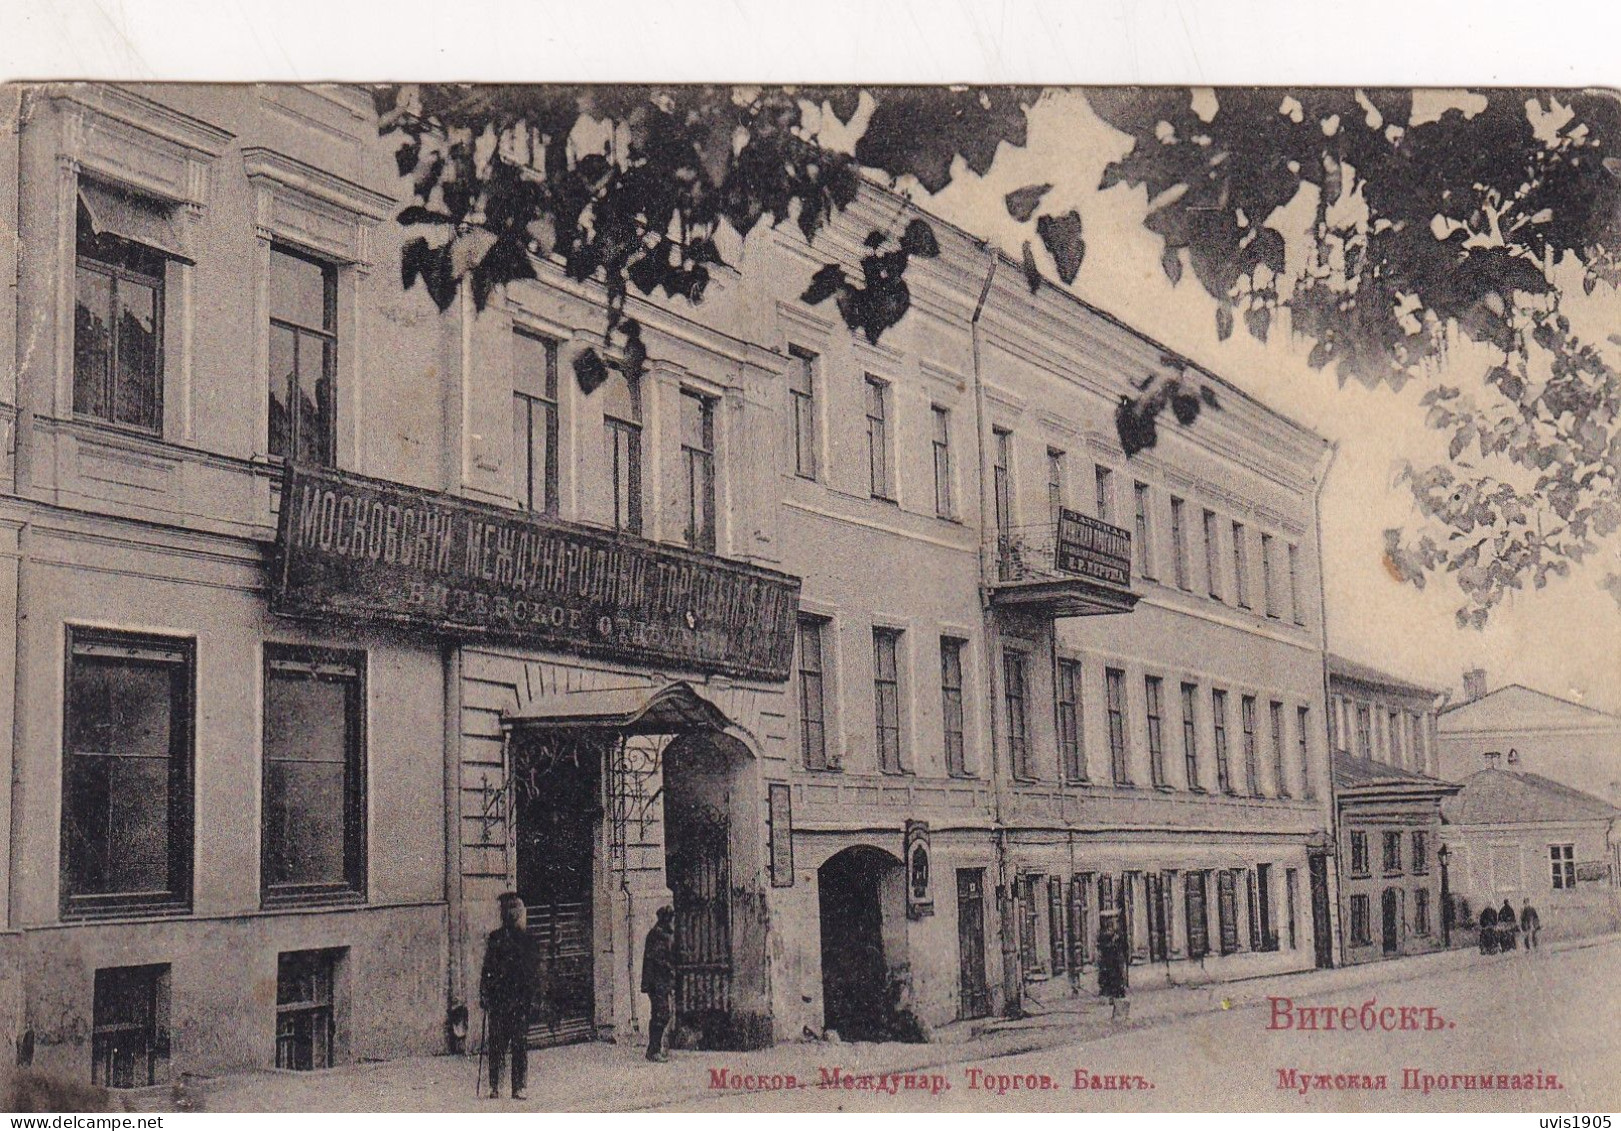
column 1136, row 418
column 1061, row 236
column 1022, row 203
column 883, row 297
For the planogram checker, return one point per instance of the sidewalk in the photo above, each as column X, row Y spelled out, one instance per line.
column 604, row 1077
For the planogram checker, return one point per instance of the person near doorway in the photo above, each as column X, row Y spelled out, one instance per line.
column 1530, row 926
column 1488, row 930
column 658, row 982
column 1508, row 926
column 1112, row 974
column 506, row 993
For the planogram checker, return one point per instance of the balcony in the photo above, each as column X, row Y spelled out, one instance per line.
column 1076, row 567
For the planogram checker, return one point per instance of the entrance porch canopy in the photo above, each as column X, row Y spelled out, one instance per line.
column 675, row 708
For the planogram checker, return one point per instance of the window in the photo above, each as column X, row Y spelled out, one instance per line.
column 1393, row 725
column 1280, row 772
column 1227, row 909
column 942, row 463
column 1058, row 942
column 1104, row 496
column 1252, row 769
column 1153, row 693
column 1241, row 567
column 1080, row 937
column 1364, row 732
column 1295, row 607
column 812, row 706
column 1420, row 758
column 1218, row 719
column 1014, row 692
column 534, row 422
column 1291, row 895
column 1142, row 543
column 127, row 774
column 886, row 694
column 1195, row 897
column 1114, row 683
column 1003, row 487
column 304, row 1025
column 1562, row 857
column 878, row 440
column 1268, row 597
column 1361, row 924
column 1392, row 853
column 1028, row 888
column 1179, row 542
column 303, row 357
column 802, row 394
column 1252, row 905
column 130, row 1027
column 951, row 713
column 622, row 430
column 118, row 308
column 1302, row 735
column 1212, row 555
column 1421, row 911
column 1359, row 852
column 1055, row 484
column 698, row 461
column 314, row 775
column 1069, row 720
column 1421, row 853
column 1190, row 736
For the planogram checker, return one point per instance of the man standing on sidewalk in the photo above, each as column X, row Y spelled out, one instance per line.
column 1530, row 926
column 506, row 992
column 658, row 981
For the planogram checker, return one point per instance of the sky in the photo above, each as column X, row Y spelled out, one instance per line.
column 1565, row 640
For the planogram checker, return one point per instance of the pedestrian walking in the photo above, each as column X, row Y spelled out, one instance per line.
column 506, row 992
column 1113, row 977
column 658, row 982
column 1508, row 926
column 1530, row 926
column 1488, row 930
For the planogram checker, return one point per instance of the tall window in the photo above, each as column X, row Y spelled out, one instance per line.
column 1562, row 859
column 878, row 439
column 1291, row 896
column 622, row 429
column 1227, row 909
column 129, row 1042
column 303, row 357
column 1103, row 497
column 1364, row 731
column 1361, row 923
column 1421, row 911
column 1296, row 610
column 126, row 774
column 942, row 463
column 1069, row 720
column 812, row 705
column 1280, row 770
column 1420, row 758
column 1393, row 723
column 118, row 309
column 1142, row 542
column 1303, row 740
column 698, row 461
column 1218, row 720
column 886, row 694
column 304, row 1016
column 1002, row 485
column 1268, row 597
column 1212, row 560
column 1241, row 566
column 1055, row 484
column 1359, row 853
column 1392, row 853
column 1421, row 853
column 802, row 394
column 1114, row 687
column 1196, row 915
column 1190, row 735
column 314, row 842
column 1252, row 768
column 1015, row 693
column 1153, row 690
column 534, row 421
column 951, row 699
column 1179, row 542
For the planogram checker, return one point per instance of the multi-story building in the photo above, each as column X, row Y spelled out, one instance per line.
column 1394, row 881
column 337, row 616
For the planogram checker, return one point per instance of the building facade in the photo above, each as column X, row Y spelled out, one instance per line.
column 1535, row 733
column 336, row 616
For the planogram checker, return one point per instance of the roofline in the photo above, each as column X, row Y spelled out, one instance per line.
column 1533, row 691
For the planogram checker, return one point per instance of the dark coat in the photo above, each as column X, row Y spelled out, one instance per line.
column 1529, row 920
column 1113, row 976
column 658, row 961
column 511, row 973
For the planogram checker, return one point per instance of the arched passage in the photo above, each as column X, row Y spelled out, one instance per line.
column 862, row 898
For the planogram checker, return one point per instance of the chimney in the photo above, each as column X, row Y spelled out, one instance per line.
column 1474, row 684
column 1492, row 758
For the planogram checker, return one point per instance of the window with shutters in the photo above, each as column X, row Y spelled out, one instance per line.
column 1227, row 909
column 1195, row 902
column 1057, row 939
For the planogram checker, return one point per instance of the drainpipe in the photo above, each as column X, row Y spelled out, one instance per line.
column 455, row 923
column 1328, row 705
column 1012, row 977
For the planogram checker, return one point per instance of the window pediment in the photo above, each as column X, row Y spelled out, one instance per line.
column 311, row 208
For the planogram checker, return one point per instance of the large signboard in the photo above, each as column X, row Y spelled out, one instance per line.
column 1089, row 547
column 371, row 551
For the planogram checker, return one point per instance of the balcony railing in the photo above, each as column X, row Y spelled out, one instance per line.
column 1076, row 567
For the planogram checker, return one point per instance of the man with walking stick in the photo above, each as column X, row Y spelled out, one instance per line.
column 506, row 992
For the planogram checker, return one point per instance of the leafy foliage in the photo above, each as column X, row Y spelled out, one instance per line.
column 1423, row 229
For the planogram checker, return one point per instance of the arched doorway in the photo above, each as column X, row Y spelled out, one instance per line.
column 862, row 898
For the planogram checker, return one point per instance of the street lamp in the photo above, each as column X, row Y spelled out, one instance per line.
column 1442, row 855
